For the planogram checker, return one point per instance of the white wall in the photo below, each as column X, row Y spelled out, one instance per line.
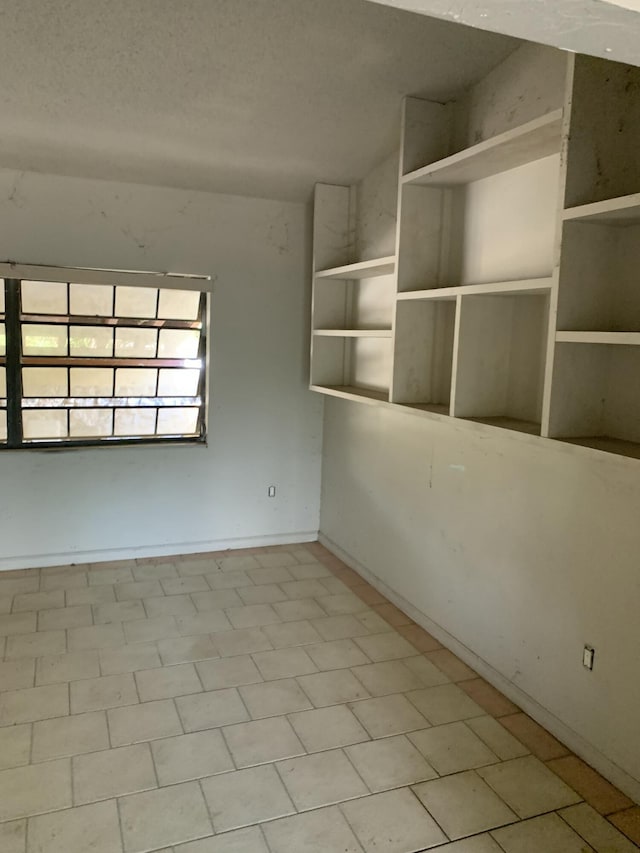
column 516, row 548
column 264, row 426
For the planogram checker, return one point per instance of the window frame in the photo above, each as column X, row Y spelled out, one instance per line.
column 11, row 278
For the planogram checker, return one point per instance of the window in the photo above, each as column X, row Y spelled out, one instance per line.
column 94, row 364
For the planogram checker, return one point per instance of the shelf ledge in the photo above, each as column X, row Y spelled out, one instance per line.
column 617, row 338
column 353, row 333
column 351, row 392
column 363, row 269
column 504, row 288
column 622, row 211
column 525, row 144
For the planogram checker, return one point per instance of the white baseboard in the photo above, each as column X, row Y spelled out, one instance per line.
column 575, row 742
column 31, row 561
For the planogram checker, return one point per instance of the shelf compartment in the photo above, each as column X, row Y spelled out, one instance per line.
column 531, row 141
column 361, row 362
column 607, row 338
column 351, row 392
column 595, row 396
column 353, row 333
column 360, row 304
column 423, row 356
column 499, row 372
column 617, row 212
column 531, row 285
column 363, row 269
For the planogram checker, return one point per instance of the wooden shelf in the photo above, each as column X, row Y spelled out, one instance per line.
column 363, row 269
column 531, row 141
column 622, row 211
column 353, row 333
column 351, row 392
column 506, row 288
column 618, row 338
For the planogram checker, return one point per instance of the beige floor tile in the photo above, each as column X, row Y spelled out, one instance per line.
column 262, row 741
column 192, row 756
column 14, row 586
column 309, row 571
column 98, row 577
column 131, row 658
column 35, row 789
column 149, row 630
column 298, row 610
column 475, row 844
column 65, row 617
column 228, row 672
column 228, row 580
column 265, row 593
column 121, row 611
column 444, row 704
column 284, row 663
column 18, row 623
column 485, row 695
column 92, row 828
column 327, row 728
column 497, row 738
column 395, row 822
column 38, row 601
column 451, row 665
column 242, row 642
column 138, row 590
column 252, row 616
column 373, row 622
column 274, row 698
column 216, row 600
column 184, row 585
column 628, row 821
column 464, row 805
column 287, row 634
column 168, row 681
column 382, row 679
column 334, row 586
column 528, row 787
column 388, row 715
column 246, row 797
column 419, row 638
column 321, row 779
column 90, row 595
column 149, row 721
column 336, row 654
column 209, row 710
column 95, row 637
column 53, row 669
column 189, row 565
column 428, row 673
column 7, row 600
column 66, row 736
column 112, row 773
column 108, row 691
column 167, row 816
column 314, row 832
column 389, row 763
column 15, row 746
column 33, row 703
column 335, row 605
column 589, row 784
column 35, row 645
column 278, row 574
column 452, row 748
column 65, row 582
column 332, row 688
column 548, row 833
column 597, row 831
column 388, row 646
column 155, row 571
column 542, row 744
column 250, row 840
column 236, row 563
column 208, row 622
column 13, row 837
column 185, row 649
column 17, row 674
column 304, row 589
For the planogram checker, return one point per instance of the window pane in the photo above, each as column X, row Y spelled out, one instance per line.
column 91, row 300
column 1, row 296
column 178, row 304
column 44, row 382
column 179, row 343
column 44, row 340
column 178, row 383
column 3, row 339
column 3, row 425
column 136, row 343
column 136, row 301
column 90, row 422
column 44, row 297
column 134, row 422
column 44, row 423
column 135, row 382
column 177, row 421
column 91, row 382
column 91, row 341
column 3, row 382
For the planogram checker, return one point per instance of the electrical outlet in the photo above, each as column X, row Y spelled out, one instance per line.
column 271, row 492
column 588, row 655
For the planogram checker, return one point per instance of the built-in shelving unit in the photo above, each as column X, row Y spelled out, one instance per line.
column 479, row 276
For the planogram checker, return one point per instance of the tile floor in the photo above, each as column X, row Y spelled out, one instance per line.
column 266, row 701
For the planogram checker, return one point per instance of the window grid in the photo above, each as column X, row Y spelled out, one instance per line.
column 86, row 415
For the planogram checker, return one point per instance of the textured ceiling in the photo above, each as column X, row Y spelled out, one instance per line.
column 255, row 97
